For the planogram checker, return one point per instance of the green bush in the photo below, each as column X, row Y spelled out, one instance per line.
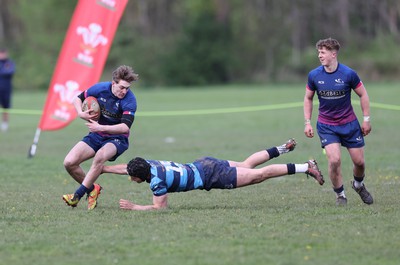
column 201, row 54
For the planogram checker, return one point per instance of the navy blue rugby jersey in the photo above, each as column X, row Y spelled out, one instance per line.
column 7, row 69
column 168, row 176
column 112, row 107
column 334, row 93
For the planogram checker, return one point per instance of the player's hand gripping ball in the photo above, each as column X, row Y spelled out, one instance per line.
column 90, row 103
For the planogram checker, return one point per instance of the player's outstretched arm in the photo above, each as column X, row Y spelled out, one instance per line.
column 119, row 169
column 159, row 202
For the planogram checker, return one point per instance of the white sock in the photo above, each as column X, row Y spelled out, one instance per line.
column 341, row 194
column 357, row 184
column 4, row 126
column 301, row 168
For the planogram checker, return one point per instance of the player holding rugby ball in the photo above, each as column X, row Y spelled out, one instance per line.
column 108, row 137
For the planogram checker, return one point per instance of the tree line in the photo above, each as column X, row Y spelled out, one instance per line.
column 200, row 42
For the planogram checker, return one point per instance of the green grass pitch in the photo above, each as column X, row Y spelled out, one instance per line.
column 289, row 220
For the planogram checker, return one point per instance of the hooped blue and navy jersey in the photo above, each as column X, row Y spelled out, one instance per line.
column 334, row 93
column 112, row 107
column 167, row 176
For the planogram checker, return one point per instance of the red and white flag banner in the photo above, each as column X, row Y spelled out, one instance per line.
column 82, row 58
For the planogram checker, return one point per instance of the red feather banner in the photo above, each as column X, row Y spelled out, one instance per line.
column 81, row 60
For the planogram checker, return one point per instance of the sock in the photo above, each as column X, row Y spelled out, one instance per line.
column 273, row 152
column 4, row 126
column 291, row 168
column 358, row 182
column 340, row 192
column 90, row 190
column 81, row 191
column 301, row 168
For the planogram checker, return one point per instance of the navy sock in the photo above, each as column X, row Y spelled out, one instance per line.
column 90, row 189
column 359, row 179
column 81, row 191
column 273, row 152
column 339, row 190
column 291, row 168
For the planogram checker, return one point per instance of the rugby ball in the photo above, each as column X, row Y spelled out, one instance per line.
column 91, row 103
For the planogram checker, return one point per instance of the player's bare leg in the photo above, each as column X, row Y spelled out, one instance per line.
column 4, row 124
column 334, row 164
column 357, row 156
column 78, row 154
column 247, row 176
column 102, row 155
column 333, row 154
column 263, row 156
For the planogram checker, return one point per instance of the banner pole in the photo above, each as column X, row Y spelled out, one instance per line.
column 32, row 150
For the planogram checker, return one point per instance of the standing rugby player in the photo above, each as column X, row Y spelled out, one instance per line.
column 337, row 123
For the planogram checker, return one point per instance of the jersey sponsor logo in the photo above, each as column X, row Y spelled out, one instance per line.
column 108, row 114
column 331, row 94
column 321, row 82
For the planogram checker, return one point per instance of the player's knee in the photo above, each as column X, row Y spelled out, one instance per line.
column 359, row 163
column 243, row 164
column 335, row 162
column 68, row 164
column 261, row 175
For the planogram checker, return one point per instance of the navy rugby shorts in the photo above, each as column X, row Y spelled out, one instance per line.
column 348, row 135
column 217, row 173
column 96, row 141
column 5, row 98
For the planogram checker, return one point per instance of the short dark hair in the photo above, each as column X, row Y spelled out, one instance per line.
column 126, row 73
column 139, row 168
column 329, row 43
